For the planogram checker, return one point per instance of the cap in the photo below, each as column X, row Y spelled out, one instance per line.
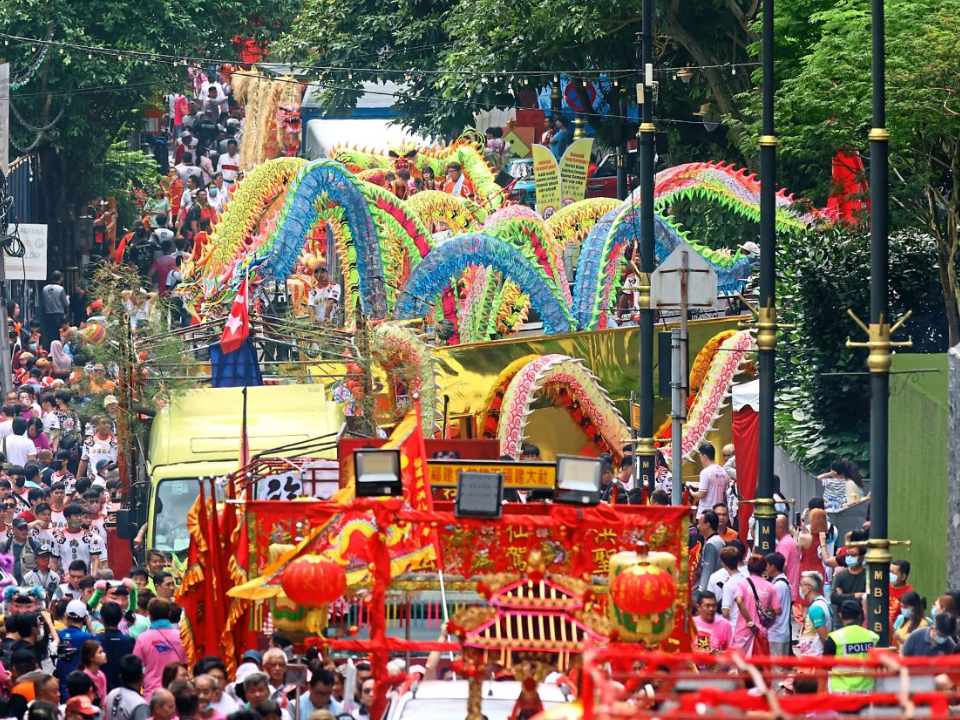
column 850, row 609
column 82, row 704
column 45, row 549
column 244, row 670
column 76, row 610
column 110, row 400
column 19, row 523
column 253, row 655
column 751, row 247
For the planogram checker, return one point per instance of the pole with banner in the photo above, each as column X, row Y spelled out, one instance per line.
column 6, row 367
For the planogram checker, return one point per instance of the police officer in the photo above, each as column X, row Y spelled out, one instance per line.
column 850, row 641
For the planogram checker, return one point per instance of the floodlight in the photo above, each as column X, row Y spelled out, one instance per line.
column 377, row 472
column 479, row 495
column 578, row 480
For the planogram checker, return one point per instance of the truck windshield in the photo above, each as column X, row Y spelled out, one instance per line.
column 173, row 502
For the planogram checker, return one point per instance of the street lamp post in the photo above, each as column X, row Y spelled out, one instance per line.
column 645, row 448
column 879, row 333
column 767, row 310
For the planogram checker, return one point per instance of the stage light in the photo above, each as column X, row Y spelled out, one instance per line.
column 578, row 480
column 479, row 495
column 378, row 473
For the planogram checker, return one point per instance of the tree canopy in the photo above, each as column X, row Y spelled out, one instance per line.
column 97, row 99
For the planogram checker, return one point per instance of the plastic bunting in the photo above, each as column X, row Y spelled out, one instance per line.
column 458, row 253
column 569, row 374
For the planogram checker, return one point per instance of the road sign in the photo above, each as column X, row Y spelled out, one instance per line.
column 683, row 272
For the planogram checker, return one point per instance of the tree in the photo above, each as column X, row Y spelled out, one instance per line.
column 455, row 58
column 823, row 392
column 96, row 99
column 823, row 105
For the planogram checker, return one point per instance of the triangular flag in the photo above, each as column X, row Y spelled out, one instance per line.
column 237, row 327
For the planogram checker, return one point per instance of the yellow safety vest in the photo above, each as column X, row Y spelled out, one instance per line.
column 852, row 641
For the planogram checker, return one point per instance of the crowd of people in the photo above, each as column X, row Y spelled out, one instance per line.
column 807, row 598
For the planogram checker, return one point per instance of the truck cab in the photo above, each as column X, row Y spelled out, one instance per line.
column 198, row 435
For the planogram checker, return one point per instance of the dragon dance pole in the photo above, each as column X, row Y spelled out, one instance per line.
column 645, row 447
column 767, row 311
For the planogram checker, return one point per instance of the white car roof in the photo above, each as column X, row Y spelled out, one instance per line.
column 499, row 690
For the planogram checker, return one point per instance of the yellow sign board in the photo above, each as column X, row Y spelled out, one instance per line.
column 573, row 170
column 546, row 174
column 522, row 475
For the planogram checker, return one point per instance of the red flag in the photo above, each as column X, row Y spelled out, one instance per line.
column 237, row 327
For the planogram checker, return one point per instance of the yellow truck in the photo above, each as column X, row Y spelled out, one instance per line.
column 198, row 436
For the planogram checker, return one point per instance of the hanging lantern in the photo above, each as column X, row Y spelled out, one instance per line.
column 313, row 581
column 644, row 588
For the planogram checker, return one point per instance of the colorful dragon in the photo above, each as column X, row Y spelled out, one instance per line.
column 470, row 156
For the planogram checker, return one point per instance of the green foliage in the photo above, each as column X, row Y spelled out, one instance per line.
column 823, row 397
column 459, row 38
column 101, row 97
column 824, row 105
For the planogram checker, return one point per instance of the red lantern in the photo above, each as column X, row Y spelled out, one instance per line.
column 313, row 581
column 644, row 589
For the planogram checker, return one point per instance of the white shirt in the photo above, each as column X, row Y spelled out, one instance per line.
column 317, row 299
column 729, row 588
column 185, row 171
column 51, row 424
column 6, row 428
column 18, row 449
column 713, row 480
column 229, row 165
column 83, row 545
column 718, row 581
column 95, row 450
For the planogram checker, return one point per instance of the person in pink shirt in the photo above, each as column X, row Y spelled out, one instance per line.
column 92, row 658
column 787, row 546
column 158, row 646
column 713, row 636
column 751, row 593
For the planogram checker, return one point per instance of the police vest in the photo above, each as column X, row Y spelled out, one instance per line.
column 852, row 641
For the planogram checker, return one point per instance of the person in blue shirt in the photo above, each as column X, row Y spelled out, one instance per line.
column 72, row 639
column 561, row 137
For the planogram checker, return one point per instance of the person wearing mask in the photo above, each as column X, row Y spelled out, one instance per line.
column 116, row 644
column 779, row 634
column 714, row 635
column 754, row 596
column 55, row 303
column 850, row 584
column 710, row 552
column 125, row 701
column 44, row 575
column 158, row 646
column 850, row 641
column 76, row 543
column 713, row 480
column 899, row 572
column 72, row 638
column 911, row 617
column 206, row 687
